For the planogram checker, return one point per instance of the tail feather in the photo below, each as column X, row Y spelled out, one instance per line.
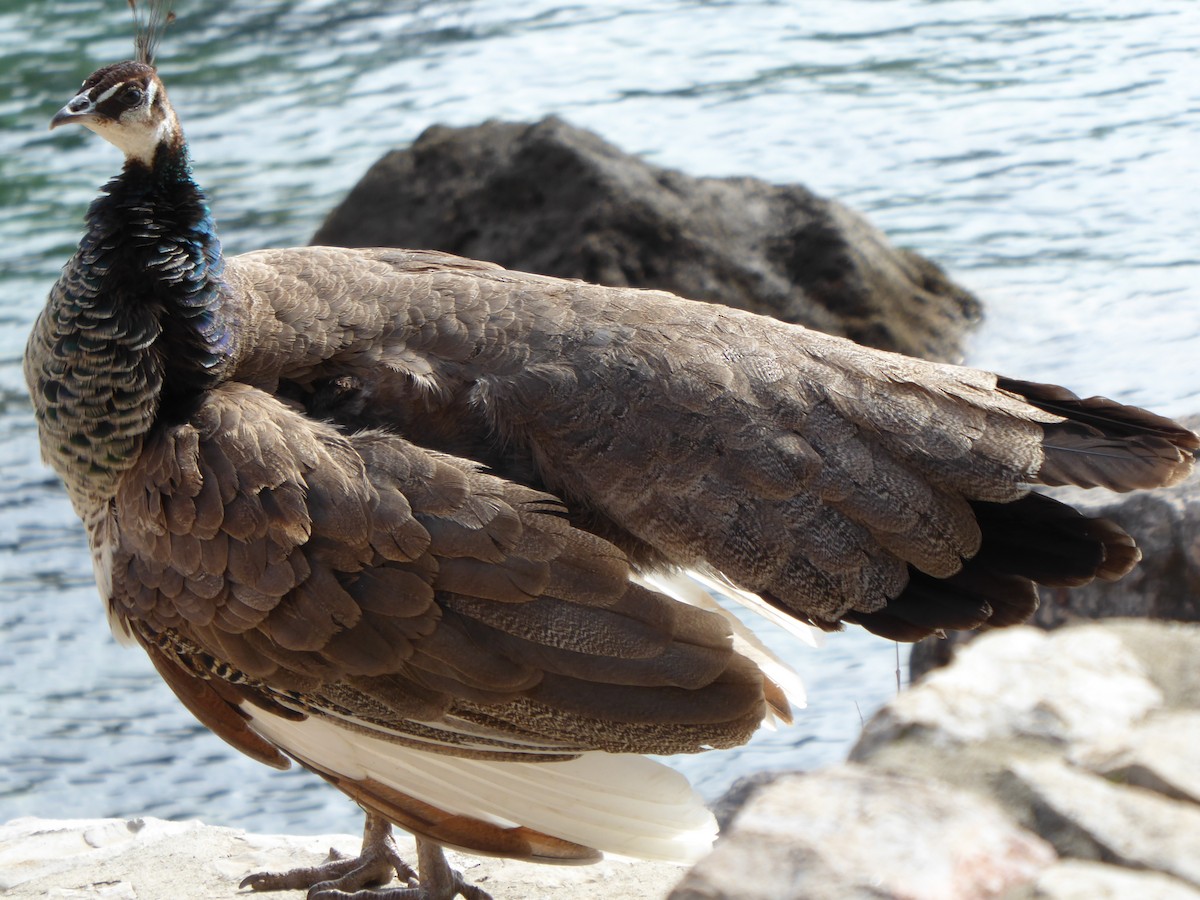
column 1052, row 543
column 1103, row 443
column 1036, row 539
column 1033, row 540
column 973, row 598
column 615, row 803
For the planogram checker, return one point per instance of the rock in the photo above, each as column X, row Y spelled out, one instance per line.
column 1022, row 683
column 1084, row 816
column 151, row 858
column 1165, row 585
column 1077, row 880
column 729, row 804
column 559, row 200
column 1161, row 754
column 847, row 833
column 1088, row 735
column 1168, row 652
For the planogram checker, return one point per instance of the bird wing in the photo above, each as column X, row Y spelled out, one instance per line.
column 309, row 590
column 835, row 481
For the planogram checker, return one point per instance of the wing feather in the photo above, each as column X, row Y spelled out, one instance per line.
column 825, row 477
column 381, row 594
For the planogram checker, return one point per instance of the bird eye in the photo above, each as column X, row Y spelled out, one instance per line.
column 131, row 96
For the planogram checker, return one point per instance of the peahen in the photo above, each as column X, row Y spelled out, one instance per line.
column 408, row 519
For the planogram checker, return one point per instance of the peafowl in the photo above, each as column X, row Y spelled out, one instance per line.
column 417, row 522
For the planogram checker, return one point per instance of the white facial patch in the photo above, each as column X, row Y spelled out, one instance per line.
column 151, row 93
column 107, row 94
column 135, row 133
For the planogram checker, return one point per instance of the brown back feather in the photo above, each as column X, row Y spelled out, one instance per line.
column 820, row 474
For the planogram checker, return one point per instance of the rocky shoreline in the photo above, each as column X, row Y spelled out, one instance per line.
column 1037, row 765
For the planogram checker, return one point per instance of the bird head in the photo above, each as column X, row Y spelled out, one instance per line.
column 126, row 104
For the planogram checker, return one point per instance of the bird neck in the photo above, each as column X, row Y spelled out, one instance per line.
column 166, row 264
column 138, row 325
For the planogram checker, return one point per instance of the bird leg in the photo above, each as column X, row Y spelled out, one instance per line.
column 365, row 876
column 374, row 865
column 438, row 881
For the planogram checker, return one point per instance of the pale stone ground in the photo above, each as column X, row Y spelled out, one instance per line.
column 158, row 860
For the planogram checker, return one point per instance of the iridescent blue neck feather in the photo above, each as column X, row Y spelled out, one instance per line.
column 137, row 326
column 169, row 261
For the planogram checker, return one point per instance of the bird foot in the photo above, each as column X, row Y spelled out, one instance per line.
column 342, row 876
column 365, row 877
column 414, row 891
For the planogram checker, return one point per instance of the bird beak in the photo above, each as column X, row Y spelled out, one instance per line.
column 81, row 107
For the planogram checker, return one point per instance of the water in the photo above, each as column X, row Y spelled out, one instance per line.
column 1045, row 153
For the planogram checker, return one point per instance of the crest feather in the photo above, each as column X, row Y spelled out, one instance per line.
column 150, row 20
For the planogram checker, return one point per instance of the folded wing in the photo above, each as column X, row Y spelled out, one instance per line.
column 836, row 482
column 311, row 591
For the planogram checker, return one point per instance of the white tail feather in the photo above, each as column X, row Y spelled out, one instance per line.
column 693, row 588
column 617, row 803
column 716, row 581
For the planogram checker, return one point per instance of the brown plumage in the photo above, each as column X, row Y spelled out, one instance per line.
column 379, row 511
column 831, row 479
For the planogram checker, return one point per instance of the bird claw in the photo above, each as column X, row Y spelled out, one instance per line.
column 300, row 878
column 413, row 891
column 341, row 876
column 364, row 877
column 354, row 875
column 456, row 887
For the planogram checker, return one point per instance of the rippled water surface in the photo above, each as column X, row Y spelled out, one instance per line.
column 1046, row 153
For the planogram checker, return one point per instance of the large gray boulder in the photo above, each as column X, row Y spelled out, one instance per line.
column 559, row 200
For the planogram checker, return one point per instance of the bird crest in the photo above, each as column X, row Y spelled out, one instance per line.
column 150, row 21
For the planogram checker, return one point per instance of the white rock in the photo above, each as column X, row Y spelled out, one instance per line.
column 1125, row 825
column 1074, row 879
column 1077, row 684
column 150, row 859
column 849, row 832
column 1161, row 754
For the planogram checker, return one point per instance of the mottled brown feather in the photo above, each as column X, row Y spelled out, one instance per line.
column 507, row 608
column 807, row 469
